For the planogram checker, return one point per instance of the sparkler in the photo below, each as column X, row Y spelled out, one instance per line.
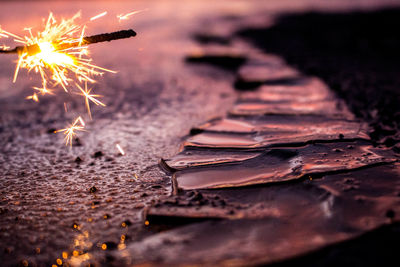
column 59, row 54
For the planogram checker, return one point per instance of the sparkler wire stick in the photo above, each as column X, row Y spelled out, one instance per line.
column 105, row 37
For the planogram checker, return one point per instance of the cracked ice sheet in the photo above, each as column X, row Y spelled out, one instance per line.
column 247, row 133
column 313, row 89
column 283, row 164
column 364, row 186
column 329, row 108
column 302, row 96
column 267, row 225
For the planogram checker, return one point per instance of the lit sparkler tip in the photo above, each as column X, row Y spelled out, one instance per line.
column 60, row 51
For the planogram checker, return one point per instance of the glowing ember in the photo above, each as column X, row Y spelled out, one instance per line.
column 34, row 97
column 120, row 150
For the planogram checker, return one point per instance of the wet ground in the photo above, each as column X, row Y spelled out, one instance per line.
column 237, row 152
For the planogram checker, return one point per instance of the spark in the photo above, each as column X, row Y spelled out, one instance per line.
column 81, row 121
column 126, row 16
column 43, row 90
column 98, row 16
column 34, row 97
column 120, row 149
column 89, row 97
column 70, row 131
column 6, row 34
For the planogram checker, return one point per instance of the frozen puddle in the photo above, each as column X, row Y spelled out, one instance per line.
column 277, row 133
column 287, row 171
column 280, row 164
